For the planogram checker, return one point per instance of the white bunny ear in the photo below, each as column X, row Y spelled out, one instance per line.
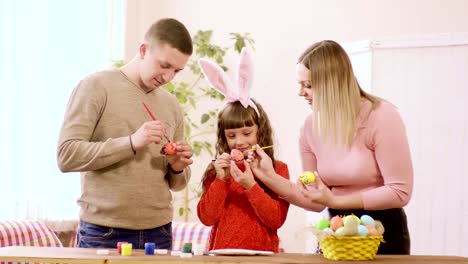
column 245, row 76
column 218, row 79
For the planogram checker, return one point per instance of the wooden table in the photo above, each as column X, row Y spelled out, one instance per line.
column 90, row 256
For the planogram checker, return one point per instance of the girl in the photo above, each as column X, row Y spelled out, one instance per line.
column 244, row 213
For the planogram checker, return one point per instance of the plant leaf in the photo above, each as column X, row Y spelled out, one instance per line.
column 205, row 117
column 181, row 211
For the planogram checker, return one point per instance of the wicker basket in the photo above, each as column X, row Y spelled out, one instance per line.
column 350, row 247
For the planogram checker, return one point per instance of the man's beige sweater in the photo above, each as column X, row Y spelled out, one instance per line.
column 118, row 188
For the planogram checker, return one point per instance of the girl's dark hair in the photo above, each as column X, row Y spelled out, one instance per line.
column 235, row 115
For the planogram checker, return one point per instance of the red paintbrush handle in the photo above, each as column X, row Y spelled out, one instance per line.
column 149, row 111
column 154, row 119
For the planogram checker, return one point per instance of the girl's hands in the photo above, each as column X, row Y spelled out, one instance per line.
column 221, row 166
column 246, row 178
column 320, row 194
column 261, row 163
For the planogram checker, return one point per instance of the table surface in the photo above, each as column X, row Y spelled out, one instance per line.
column 90, row 256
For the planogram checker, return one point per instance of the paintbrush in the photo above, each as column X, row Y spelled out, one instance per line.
column 154, row 119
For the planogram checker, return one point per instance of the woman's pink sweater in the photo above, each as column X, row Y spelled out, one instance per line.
column 378, row 165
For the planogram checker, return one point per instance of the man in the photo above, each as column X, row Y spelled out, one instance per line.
column 112, row 140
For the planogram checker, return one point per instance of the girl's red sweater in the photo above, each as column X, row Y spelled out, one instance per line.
column 247, row 219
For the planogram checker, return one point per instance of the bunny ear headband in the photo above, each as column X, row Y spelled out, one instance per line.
column 220, row 81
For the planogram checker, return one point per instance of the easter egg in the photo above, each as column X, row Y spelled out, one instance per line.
column 237, row 155
column 336, row 222
column 169, row 148
column 379, row 226
column 328, row 231
column 362, row 230
column 322, row 224
column 340, row 231
column 351, row 220
column 367, row 220
column 350, row 225
column 307, row 177
column 372, row 230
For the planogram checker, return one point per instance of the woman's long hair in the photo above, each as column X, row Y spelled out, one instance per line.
column 336, row 92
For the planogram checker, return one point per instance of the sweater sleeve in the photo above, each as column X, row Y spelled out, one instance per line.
column 75, row 152
column 269, row 208
column 309, row 163
column 211, row 205
column 296, row 198
column 388, row 137
column 179, row 181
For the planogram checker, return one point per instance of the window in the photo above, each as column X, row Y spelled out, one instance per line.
column 47, row 47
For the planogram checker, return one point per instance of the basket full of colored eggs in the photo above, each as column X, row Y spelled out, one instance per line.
column 349, row 237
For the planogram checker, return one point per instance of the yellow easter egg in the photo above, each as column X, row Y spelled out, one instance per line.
column 351, row 219
column 351, row 224
column 307, row 177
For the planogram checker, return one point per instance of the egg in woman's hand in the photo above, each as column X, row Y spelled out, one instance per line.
column 307, row 177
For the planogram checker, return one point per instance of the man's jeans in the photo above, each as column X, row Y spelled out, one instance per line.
column 95, row 236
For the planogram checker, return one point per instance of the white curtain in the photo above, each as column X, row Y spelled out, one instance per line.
column 46, row 48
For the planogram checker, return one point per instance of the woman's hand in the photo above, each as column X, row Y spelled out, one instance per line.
column 320, row 194
column 261, row 163
column 221, row 166
column 246, row 178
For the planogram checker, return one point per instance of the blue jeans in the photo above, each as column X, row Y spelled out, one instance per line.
column 95, row 236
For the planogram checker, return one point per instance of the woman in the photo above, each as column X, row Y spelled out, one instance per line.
column 355, row 142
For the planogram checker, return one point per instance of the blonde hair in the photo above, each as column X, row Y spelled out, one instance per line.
column 336, row 92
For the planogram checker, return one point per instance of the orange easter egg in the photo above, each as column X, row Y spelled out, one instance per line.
column 372, row 230
column 169, row 148
column 336, row 222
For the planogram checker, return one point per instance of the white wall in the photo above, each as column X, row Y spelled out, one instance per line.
column 428, row 82
column 282, row 29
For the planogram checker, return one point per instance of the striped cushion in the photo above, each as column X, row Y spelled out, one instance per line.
column 74, row 238
column 27, row 233
column 189, row 232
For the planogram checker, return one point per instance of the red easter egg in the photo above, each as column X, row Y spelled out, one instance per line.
column 170, row 148
column 237, row 155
